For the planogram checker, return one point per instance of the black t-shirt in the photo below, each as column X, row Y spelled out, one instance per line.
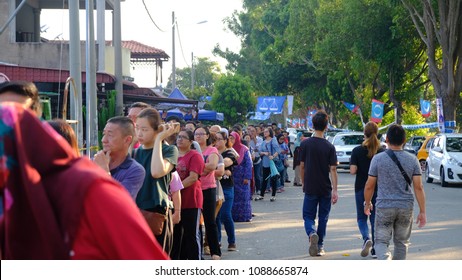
column 318, row 154
column 360, row 159
column 227, row 182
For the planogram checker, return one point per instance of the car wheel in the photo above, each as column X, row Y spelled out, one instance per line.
column 444, row 184
column 427, row 175
column 423, row 165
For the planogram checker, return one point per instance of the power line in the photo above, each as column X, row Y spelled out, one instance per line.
column 181, row 46
column 149, row 14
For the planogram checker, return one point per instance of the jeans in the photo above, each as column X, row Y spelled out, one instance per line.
column 282, row 178
column 211, row 231
column 272, row 182
column 392, row 222
column 225, row 216
column 258, row 173
column 362, row 218
column 310, row 208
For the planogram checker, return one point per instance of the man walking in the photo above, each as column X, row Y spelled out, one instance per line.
column 114, row 158
column 391, row 171
column 317, row 160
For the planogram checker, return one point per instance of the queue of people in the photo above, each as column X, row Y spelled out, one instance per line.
column 157, row 182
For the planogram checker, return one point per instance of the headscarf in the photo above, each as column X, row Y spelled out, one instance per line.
column 43, row 195
column 240, row 148
column 298, row 139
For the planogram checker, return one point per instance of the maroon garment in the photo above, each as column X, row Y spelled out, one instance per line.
column 42, row 197
column 191, row 197
column 240, row 148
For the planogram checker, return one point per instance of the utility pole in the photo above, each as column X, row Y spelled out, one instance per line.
column 75, row 68
column 91, row 102
column 192, row 71
column 117, row 40
column 173, row 53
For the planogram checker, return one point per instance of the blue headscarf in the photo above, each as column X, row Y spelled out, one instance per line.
column 298, row 140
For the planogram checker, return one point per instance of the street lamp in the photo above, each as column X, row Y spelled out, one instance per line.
column 174, row 22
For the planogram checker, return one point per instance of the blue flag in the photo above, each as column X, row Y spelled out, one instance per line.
column 425, row 108
column 377, row 111
column 352, row 107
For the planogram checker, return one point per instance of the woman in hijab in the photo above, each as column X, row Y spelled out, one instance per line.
column 58, row 205
column 296, row 161
column 242, row 174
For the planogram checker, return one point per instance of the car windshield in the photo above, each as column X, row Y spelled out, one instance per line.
column 454, row 144
column 348, row 140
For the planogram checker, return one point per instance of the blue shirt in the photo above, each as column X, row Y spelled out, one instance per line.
column 272, row 147
column 130, row 174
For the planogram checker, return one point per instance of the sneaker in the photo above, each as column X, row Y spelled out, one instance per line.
column 313, row 244
column 373, row 254
column 258, row 198
column 206, row 250
column 366, row 247
column 321, row 252
column 232, row 247
column 216, row 257
column 273, row 199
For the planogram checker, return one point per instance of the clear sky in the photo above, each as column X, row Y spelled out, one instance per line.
column 137, row 25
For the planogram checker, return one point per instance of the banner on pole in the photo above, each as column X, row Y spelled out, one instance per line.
column 425, row 108
column 440, row 114
column 377, row 111
column 290, row 104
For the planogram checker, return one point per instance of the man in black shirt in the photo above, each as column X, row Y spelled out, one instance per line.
column 318, row 159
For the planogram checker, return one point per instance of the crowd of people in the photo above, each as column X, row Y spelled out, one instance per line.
column 163, row 189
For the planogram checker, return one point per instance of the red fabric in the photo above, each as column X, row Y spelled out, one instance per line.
column 240, row 148
column 44, row 184
column 191, row 197
column 113, row 228
column 41, row 219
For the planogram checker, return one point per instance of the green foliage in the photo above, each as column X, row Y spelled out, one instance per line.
column 105, row 112
column 233, row 96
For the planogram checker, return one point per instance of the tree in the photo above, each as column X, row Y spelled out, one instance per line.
column 233, row 96
column 439, row 24
column 206, row 72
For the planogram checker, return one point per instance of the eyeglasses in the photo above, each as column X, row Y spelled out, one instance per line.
column 182, row 137
column 219, row 139
column 200, row 134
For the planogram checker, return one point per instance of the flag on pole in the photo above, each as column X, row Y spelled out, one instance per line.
column 352, row 107
column 425, row 108
column 377, row 111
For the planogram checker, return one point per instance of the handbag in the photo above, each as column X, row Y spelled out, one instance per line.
column 155, row 221
column 279, row 164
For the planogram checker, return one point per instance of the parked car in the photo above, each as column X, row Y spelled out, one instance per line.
column 414, row 143
column 444, row 162
column 344, row 143
column 422, row 153
column 292, row 134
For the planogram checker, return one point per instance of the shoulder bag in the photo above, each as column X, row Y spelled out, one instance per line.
column 392, row 155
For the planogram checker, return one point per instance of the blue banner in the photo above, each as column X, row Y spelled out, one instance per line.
column 270, row 104
column 425, row 108
column 377, row 111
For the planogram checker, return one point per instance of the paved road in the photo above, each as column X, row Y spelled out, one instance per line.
column 276, row 232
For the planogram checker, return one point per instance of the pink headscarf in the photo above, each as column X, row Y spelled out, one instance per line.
column 240, row 148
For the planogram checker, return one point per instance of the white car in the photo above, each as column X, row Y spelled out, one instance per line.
column 444, row 162
column 344, row 143
column 292, row 134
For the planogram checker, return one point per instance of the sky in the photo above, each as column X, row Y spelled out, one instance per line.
column 137, row 25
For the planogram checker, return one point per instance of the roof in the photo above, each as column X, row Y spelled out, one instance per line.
column 44, row 75
column 142, row 51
